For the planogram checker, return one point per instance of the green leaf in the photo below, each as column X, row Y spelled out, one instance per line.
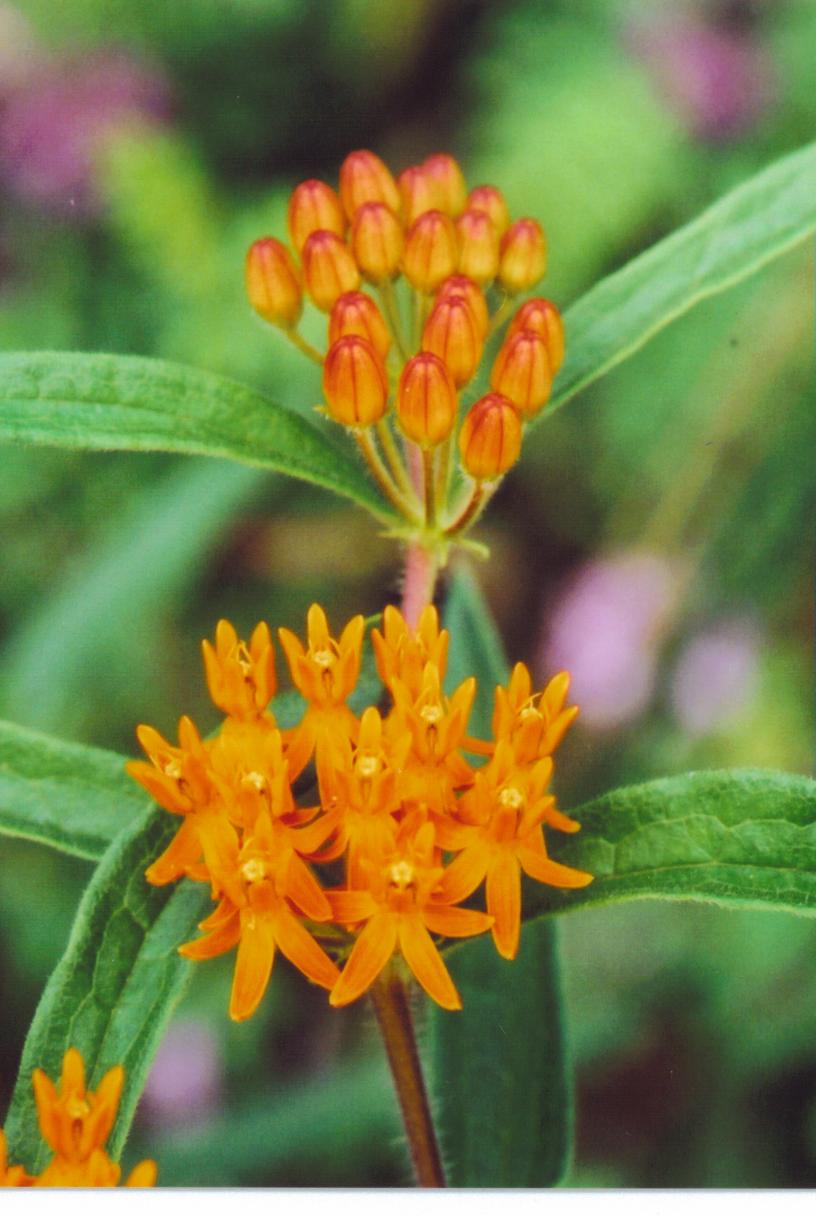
column 115, row 987
column 756, row 222
column 502, row 1091
column 124, row 403
column 76, row 799
column 744, row 837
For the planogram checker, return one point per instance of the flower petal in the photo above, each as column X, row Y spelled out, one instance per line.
column 302, row 950
column 543, row 869
column 425, row 962
column 455, row 922
column 183, row 850
column 305, row 891
column 350, row 907
column 504, row 903
column 463, row 875
column 222, row 938
column 371, row 952
column 253, row 965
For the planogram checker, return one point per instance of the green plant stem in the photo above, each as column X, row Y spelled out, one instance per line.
column 500, row 315
column 429, row 488
column 473, row 508
column 381, row 475
column 392, row 316
column 305, row 348
column 421, row 569
column 390, row 1000
column 394, row 459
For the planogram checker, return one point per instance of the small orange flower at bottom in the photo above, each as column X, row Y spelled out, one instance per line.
column 75, row 1123
column 401, row 909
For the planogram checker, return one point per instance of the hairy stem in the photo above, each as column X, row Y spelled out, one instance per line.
column 381, row 475
column 390, row 1000
column 421, row 568
column 304, row 347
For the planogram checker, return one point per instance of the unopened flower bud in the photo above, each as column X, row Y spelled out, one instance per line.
column 314, row 207
column 329, row 270
column 450, row 181
column 478, row 246
column 419, row 192
column 364, row 178
column 426, row 400
column 521, row 371
column 452, row 333
column 490, row 438
column 431, row 251
column 460, row 285
column 543, row 318
column 354, row 382
column 273, row 282
column 377, row 241
column 523, row 257
column 356, row 313
column 491, row 201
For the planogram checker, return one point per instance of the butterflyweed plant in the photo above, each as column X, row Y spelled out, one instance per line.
column 390, row 826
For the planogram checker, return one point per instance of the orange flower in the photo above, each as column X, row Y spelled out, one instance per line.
column 436, row 724
column 76, row 1122
column 502, row 835
column 240, row 677
column 534, row 724
column 11, row 1175
column 402, row 653
column 325, row 673
column 269, row 875
column 401, row 907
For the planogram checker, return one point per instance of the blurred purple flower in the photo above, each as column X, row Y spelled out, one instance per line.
column 20, row 57
column 51, row 127
column 717, row 77
column 185, row 1083
column 716, row 676
column 604, row 630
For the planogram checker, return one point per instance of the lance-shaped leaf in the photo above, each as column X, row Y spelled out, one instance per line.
column 744, row 230
column 501, row 1086
column 115, row 987
column 743, row 837
column 76, row 799
column 124, row 403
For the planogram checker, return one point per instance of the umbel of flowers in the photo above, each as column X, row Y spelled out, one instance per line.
column 75, row 1123
column 419, row 814
column 444, row 269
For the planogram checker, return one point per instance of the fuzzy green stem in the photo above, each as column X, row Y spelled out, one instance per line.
column 390, row 1000
column 394, row 459
column 380, row 473
column 305, row 348
column 392, row 316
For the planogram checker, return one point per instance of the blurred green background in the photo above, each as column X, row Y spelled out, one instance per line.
column 653, row 540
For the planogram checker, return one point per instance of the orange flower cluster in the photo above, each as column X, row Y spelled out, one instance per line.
column 75, row 1123
column 418, row 824
column 446, row 266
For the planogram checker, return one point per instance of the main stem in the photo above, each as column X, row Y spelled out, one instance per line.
column 394, row 1017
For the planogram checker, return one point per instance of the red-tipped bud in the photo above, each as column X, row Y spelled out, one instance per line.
column 491, row 201
column 431, row 251
column 426, row 400
column 356, row 313
column 314, row 207
column 329, row 270
column 377, row 241
column 490, row 438
column 273, row 282
column 543, row 318
column 460, row 285
column 364, row 178
column 450, row 181
column 419, row 192
column 478, row 246
column 451, row 332
column 523, row 258
column 354, row 382
column 521, row 371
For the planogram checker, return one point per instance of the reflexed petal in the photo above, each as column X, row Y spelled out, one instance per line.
column 555, row 733
column 305, row 891
column 425, row 962
column 463, row 875
column 45, row 1095
column 504, row 903
column 455, row 922
column 256, row 953
column 303, row 951
column 183, row 850
column 143, row 1174
column 73, row 1073
column 309, row 839
column 99, row 1122
column 543, row 869
column 350, row 907
column 371, row 952
column 218, row 941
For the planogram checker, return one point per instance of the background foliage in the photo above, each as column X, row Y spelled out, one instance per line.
column 651, row 540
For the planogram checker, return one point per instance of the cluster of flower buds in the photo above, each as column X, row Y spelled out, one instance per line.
column 447, row 268
column 75, row 1124
column 419, row 822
